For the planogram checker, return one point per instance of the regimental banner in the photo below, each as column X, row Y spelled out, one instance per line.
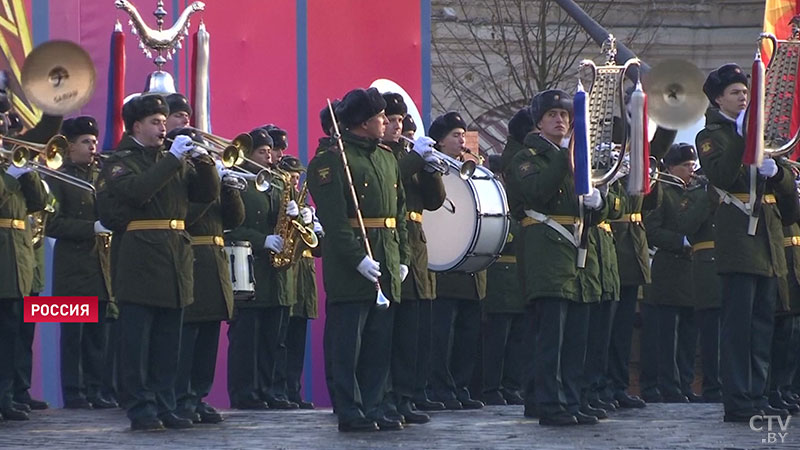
column 270, row 62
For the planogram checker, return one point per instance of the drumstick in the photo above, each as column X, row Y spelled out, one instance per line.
column 381, row 301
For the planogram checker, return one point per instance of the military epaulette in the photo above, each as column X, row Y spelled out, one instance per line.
column 532, row 150
column 713, row 126
column 385, row 147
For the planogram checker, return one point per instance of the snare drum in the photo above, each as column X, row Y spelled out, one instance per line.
column 240, row 258
column 468, row 232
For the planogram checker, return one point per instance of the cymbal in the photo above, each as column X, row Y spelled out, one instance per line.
column 58, row 77
column 675, row 97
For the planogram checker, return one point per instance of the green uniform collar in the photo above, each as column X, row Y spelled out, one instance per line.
column 535, row 140
column 715, row 116
column 363, row 143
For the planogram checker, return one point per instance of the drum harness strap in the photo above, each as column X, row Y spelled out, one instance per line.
column 743, row 203
column 574, row 237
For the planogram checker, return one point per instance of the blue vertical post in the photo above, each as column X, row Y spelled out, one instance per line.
column 425, row 39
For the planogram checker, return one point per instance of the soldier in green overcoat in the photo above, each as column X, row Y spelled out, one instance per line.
column 455, row 332
column 154, row 275
column 505, row 325
column 258, row 329
column 360, row 332
column 749, row 261
column 81, row 237
column 601, row 313
column 213, row 297
column 541, row 179
column 669, row 304
column 302, row 285
column 23, row 193
column 47, row 127
column 633, row 262
column 424, row 190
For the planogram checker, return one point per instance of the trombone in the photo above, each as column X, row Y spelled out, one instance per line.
column 42, row 169
column 466, row 168
column 656, row 176
column 53, row 151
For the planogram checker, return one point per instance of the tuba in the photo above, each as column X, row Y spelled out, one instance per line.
column 606, row 99
column 780, row 92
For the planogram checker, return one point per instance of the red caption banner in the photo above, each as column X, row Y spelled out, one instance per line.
column 60, row 309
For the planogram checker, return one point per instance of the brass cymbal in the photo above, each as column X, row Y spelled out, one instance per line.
column 58, row 77
column 675, row 97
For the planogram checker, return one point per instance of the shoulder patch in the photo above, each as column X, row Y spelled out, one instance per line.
column 706, row 147
column 118, row 170
column 532, row 150
column 324, row 175
column 526, row 168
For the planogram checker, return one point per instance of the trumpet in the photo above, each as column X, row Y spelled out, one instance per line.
column 260, row 179
column 228, row 155
column 443, row 162
column 53, row 151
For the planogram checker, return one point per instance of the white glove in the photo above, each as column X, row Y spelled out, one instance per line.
column 221, row 170
column 423, row 145
column 99, row 228
column 307, row 215
column 292, row 210
column 369, row 269
column 181, row 146
column 593, row 200
column 432, row 159
column 403, row 272
column 198, row 152
column 686, row 242
column 17, row 172
column 768, row 168
column 318, row 228
column 274, row 242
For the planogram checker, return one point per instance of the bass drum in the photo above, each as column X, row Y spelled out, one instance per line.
column 468, row 232
column 240, row 261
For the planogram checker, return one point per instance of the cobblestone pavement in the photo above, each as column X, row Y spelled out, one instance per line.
column 658, row 426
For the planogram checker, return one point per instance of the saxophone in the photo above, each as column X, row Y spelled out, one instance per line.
column 292, row 229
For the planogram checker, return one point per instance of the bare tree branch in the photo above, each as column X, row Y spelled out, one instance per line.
column 499, row 53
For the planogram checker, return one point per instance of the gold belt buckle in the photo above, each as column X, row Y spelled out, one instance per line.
column 795, row 240
column 173, row 224
column 218, row 240
column 388, row 222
